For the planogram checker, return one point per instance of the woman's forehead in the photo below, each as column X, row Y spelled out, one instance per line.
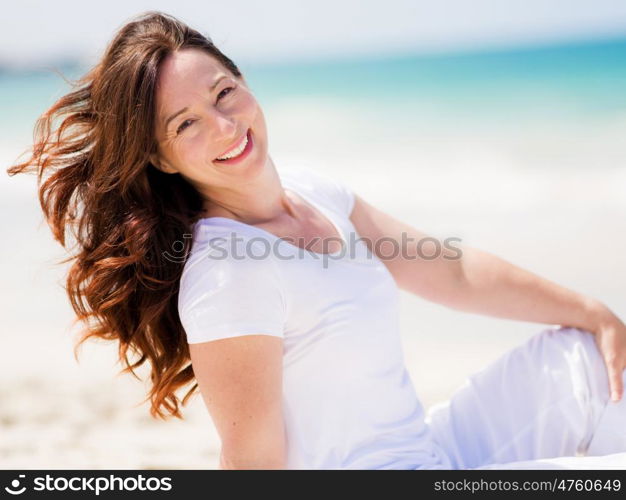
column 184, row 66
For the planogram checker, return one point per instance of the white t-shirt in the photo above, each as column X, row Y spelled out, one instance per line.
column 347, row 397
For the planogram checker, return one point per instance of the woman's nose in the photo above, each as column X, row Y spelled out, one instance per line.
column 224, row 126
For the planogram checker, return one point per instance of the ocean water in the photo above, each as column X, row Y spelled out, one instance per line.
column 557, row 82
column 395, row 98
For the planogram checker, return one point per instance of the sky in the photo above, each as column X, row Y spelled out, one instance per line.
column 279, row 30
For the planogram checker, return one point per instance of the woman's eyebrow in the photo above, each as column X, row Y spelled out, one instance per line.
column 211, row 89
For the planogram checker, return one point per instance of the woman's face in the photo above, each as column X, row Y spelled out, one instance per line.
column 203, row 112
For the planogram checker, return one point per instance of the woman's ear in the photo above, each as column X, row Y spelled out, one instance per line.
column 162, row 165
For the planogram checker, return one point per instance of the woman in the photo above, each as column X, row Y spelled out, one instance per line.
column 197, row 254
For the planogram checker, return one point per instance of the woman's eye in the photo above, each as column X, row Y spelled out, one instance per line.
column 227, row 88
column 183, row 126
column 188, row 122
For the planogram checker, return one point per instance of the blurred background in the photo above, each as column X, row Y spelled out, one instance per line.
column 499, row 122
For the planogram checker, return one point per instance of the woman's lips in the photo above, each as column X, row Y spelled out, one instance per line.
column 243, row 154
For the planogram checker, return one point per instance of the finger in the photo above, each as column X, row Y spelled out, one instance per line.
column 615, row 381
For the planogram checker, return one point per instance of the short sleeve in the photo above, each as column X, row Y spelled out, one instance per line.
column 345, row 196
column 225, row 293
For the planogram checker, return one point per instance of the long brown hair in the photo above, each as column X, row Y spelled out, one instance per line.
column 91, row 155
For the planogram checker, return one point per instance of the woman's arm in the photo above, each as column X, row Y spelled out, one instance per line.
column 240, row 380
column 492, row 286
column 470, row 279
column 476, row 281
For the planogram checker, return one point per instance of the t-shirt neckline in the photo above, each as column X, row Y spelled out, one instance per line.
column 326, row 213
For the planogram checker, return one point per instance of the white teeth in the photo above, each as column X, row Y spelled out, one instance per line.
column 236, row 152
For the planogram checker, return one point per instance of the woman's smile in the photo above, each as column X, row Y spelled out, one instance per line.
column 239, row 152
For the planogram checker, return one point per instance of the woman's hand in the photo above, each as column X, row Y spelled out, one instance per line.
column 610, row 337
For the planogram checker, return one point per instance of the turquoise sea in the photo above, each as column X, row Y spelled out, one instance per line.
column 571, row 80
column 583, row 81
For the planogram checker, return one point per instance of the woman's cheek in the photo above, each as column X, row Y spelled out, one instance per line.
column 198, row 149
column 250, row 105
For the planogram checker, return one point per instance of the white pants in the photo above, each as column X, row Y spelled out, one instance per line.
column 543, row 405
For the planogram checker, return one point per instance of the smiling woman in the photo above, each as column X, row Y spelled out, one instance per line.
column 163, row 146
